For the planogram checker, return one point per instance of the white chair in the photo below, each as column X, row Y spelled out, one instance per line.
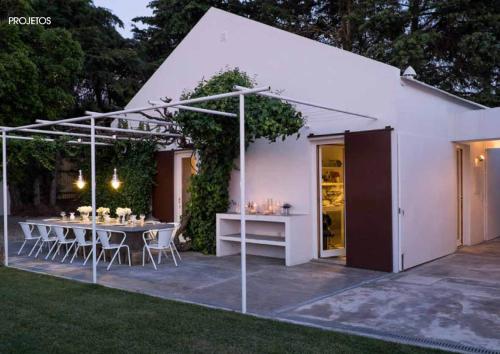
column 159, row 240
column 46, row 239
column 62, row 239
column 28, row 236
column 81, row 242
column 176, row 225
column 104, row 237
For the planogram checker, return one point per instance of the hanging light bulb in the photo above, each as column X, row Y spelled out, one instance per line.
column 80, row 183
column 115, row 182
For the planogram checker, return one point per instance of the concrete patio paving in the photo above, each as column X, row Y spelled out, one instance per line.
column 452, row 303
column 454, row 300
column 212, row 281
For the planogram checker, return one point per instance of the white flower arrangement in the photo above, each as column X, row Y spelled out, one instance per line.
column 103, row 211
column 123, row 211
column 84, row 209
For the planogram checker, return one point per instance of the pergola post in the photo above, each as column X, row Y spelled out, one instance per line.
column 92, row 186
column 242, row 208
column 5, row 199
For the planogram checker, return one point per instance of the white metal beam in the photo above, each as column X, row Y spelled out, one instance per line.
column 135, row 119
column 142, row 109
column 199, row 110
column 56, row 132
column 5, row 200
column 306, row 103
column 243, row 235
column 116, row 130
column 77, row 142
column 93, row 186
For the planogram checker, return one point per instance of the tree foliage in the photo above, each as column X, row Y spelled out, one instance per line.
column 80, row 62
column 170, row 23
column 32, row 168
column 216, row 141
column 38, row 70
column 136, row 167
column 452, row 44
column 112, row 69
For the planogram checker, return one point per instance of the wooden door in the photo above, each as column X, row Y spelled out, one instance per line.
column 368, row 189
column 163, row 191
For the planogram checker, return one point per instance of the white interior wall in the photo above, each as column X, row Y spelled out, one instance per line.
column 492, row 194
column 477, row 172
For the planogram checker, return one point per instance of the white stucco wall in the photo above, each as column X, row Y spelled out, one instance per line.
column 296, row 66
column 427, row 173
column 478, row 125
column 424, row 122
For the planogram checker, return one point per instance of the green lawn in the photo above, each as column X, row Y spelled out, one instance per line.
column 42, row 314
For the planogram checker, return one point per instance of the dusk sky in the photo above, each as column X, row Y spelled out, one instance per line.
column 126, row 10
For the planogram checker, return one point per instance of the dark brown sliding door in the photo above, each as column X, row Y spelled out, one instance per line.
column 163, row 191
column 368, row 200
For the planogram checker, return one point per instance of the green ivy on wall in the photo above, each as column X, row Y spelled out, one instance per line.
column 216, row 140
column 136, row 167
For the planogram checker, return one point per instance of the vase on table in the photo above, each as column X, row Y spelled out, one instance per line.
column 85, row 217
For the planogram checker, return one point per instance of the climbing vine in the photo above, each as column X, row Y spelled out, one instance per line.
column 136, row 167
column 216, row 141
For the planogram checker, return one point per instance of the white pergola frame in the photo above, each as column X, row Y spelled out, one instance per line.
column 239, row 92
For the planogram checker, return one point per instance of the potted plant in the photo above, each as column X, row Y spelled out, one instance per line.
column 286, row 209
column 84, row 212
column 103, row 213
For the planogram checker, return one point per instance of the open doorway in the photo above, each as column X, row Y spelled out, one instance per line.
column 477, row 192
column 331, row 200
column 184, row 167
column 354, row 198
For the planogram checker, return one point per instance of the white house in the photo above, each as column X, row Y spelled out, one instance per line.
column 390, row 193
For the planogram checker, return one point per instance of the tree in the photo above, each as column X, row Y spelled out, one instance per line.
column 39, row 68
column 216, row 141
column 112, row 69
column 170, row 23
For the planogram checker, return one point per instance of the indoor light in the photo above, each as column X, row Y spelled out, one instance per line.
column 478, row 159
column 80, row 183
column 115, row 182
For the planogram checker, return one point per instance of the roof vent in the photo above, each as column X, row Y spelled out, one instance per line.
column 409, row 73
